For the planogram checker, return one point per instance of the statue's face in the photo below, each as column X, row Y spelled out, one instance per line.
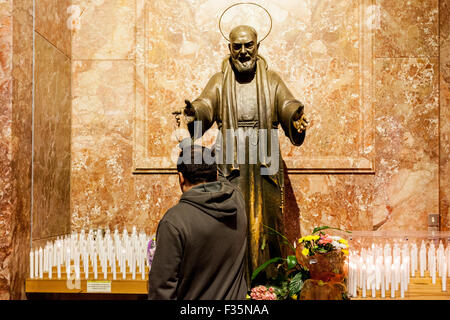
column 243, row 48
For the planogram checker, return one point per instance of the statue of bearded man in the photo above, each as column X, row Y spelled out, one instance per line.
column 248, row 100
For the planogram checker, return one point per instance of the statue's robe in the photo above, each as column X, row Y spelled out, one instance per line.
column 270, row 104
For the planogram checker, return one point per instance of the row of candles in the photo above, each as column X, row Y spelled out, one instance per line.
column 91, row 254
column 388, row 269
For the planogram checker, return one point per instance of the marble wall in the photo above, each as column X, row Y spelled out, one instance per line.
column 21, row 143
column 104, row 191
column 16, row 56
column 52, row 119
column 408, row 113
column 6, row 178
column 52, row 126
column 444, row 115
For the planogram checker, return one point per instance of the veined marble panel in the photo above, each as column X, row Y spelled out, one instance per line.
column 407, row 28
column 102, row 192
column 406, row 186
column 52, row 127
column 6, row 174
column 154, row 195
column 341, row 201
column 103, row 29
column 444, row 119
column 54, row 22
column 21, row 143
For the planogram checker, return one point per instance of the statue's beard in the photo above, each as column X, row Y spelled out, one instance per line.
column 243, row 65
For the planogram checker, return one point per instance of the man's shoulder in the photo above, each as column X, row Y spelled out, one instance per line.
column 177, row 214
column 172, row 214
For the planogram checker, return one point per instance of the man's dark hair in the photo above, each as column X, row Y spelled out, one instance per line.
column 197, row 164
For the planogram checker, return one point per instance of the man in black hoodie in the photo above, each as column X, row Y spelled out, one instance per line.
column 201, row 241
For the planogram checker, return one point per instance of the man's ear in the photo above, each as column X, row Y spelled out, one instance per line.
column 180, row 178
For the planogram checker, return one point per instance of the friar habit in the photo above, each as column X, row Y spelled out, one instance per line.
column 273, row 104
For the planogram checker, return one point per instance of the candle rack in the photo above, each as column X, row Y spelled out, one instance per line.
column 97, row 261
column 398, row 265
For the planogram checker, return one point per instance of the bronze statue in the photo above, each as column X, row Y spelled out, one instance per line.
column 245, row 95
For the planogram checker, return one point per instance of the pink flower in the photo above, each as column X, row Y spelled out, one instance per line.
column 325, row 240
column 263, row 293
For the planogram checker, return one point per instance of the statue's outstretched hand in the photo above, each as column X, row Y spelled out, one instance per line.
column 189, row 112
column 301, row 122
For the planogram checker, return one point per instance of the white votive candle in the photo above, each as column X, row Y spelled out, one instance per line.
column 377, row 275
column 105, row 270
column 51, row 257
column 387, row 275
column 94, row 263
column 422, row 259
column 77, row 272
column 31, row 265
column 350, row 278
column 444, row 276
column 86, row 266
column 407, row 271
column 402, row 281
column 50, row 271
column 355, row 282
column 58, row 269
column 360, row 270
column 41, row 264
column 143, row 270
column 68, row 267
column 393, row 281
column 432, row 264
column 397, row 276
column 373, row 284
column 133, row 268
column 36, row 263
column 363, row 280
column 113, row 267
column 45, row 259
column 124, row 264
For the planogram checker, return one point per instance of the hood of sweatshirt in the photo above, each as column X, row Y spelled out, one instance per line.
column 218, row 199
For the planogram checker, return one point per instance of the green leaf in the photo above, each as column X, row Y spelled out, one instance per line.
column 291, row 262
column 296, row 284
column 281, row 235
column 327, row 227
column 264, row 265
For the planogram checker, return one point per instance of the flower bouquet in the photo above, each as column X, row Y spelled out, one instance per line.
column 324, row 255
column 315, row 270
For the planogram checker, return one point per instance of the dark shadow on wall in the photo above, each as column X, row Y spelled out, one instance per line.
column 291, row 214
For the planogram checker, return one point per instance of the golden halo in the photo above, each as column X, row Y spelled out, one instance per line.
column 244, row 3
